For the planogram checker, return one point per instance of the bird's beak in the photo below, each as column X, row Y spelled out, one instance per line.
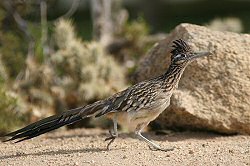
column 199, row 54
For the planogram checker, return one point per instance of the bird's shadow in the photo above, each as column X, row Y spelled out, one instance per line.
column 170, row 137
column 62, row 152
column 102, row 135
column 186, row 135
column 52, row 152
column 175, row 137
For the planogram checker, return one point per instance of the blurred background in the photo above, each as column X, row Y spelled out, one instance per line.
column 56, row 55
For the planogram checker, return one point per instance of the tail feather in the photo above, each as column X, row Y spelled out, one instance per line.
column 33, row 125
column 45, row 130
column 54, row 122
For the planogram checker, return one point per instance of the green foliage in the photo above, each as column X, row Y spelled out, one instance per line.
column 3, row 73
column 11, row 55
column 136, row 30
column 12, row 49
column 84, row 67
column 136, row 33
column 77, row 73
column 9, row 118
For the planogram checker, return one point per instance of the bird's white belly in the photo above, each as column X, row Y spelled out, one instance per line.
column 133, row 118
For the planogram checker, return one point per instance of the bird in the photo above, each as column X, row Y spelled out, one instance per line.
column 134, row 107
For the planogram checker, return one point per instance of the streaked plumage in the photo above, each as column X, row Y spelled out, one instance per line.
column 134, row 107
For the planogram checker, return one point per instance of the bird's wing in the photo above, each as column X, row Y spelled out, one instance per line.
column 139, row 96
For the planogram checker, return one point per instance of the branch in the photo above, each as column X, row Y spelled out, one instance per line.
column 72, row 10
column 44, row 27
column 22, row 25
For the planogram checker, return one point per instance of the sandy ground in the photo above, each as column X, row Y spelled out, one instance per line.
column 87, row 147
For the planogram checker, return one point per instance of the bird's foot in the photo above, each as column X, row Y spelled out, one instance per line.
column 158, row 148
column 112, row 137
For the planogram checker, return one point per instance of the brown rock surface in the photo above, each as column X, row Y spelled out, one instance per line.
column 214, row 92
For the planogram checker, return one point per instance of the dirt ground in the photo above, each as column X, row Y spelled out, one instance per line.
column 87, row 147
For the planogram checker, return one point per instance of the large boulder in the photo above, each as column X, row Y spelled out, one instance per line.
column 214, row 92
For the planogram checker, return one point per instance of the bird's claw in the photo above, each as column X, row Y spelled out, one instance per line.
column 111, row 138
column 156, row 148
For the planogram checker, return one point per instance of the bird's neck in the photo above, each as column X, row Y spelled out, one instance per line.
column 172, row 77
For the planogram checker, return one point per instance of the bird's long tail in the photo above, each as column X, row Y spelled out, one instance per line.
column 53, row 122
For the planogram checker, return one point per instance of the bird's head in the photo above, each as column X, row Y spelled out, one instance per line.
column 182, row 53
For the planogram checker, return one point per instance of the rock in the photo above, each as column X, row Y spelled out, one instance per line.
column 214, row 92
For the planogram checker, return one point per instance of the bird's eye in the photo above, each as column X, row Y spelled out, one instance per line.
column 181, row 56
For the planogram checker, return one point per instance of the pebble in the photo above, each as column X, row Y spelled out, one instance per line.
column 191, row 152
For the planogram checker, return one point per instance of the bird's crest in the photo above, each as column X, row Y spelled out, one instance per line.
column 180, row 46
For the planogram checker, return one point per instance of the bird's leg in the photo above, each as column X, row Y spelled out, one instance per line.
column 114, row 134
column 152, row 145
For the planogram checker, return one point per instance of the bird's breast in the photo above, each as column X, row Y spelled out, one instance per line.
column 131, row 119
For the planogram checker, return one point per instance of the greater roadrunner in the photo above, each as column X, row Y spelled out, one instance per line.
column 134, row 107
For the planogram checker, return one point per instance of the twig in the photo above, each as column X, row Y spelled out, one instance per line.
column 72, row 10
column 22, row 25
column 44, row 28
